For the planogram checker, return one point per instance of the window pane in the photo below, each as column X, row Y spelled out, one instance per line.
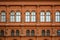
column 48, row 19
column 17, row 32
column 28, row 33
column 57, row 17
column 27, row 13
column 42, row 19
column 12, row 18
column 18, row 19
column 33, row 13
column 42, row 13
column 18, row 13
column 27, row 17
column 12, row 32
column 33, row 19
column 58, row 32
column 47, row 13
column 3, row 17
column 57, row 13
column 32, row 33
column 43, row 32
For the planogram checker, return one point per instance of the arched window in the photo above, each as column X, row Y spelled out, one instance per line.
column 12, row 32
column 58, row 32
column 17, row 32
column 48, row 18
column 1, row 33
column 33, row 16
column 43, row 32
column 48, row 32
column 42, row 16
column 32, row 33
column 3, row 16
column 57, row 16
column 28, row 33
column 27, row 16
column 18, row 17
column 12, row 16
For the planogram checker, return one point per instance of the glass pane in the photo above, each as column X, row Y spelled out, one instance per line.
column 27, row 19
column 12, row 13
column 48, row 19
column 12, row 19
column 3, row 18
column 3, row 13
column 33, row 19
column 57, row 13
column 27, row 13
column 42, row 13
column 47, row 13
column 58, row 33
column 57, row 18
column 18, row 13
column 33, row 13
column 18, row 19
column 42, row 18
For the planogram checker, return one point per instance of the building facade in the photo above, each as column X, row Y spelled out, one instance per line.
column 29, row 20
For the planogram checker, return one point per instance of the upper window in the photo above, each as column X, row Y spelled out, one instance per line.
column 58, row 32
column 57, row 16
column 18, row 17
column 33, row 16
column 12, row 16
column 45, row 17
column 27, row 32
column 27, row 16
column 3, row 16
column 42, row 16
column 48, row 18
column 32, row 33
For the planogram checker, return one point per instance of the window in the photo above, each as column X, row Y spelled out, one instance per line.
column 3, row 16
column 57, row 16
column 43, row 32
column 58, row 32
column 48, row 32
column 32, row 33
column 17, row 32
column 27, row 17
column 48, row 19
column 28, row 33
column 12, row 16
column 33, row 17
column 12, row 32
column 1, row 33
column 42, row 17
column 18, row 17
